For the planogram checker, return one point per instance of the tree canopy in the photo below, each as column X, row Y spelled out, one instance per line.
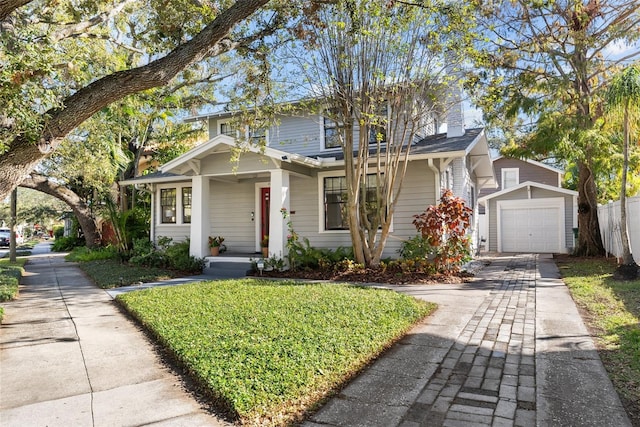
column 543, row 69
column 67, row 60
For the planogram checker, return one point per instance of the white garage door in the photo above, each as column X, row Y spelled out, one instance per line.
column 531, row 226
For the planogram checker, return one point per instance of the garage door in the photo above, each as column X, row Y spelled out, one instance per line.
column 529, row 227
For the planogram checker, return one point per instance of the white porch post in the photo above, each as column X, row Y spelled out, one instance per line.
column 279, row 194
column 200, row 224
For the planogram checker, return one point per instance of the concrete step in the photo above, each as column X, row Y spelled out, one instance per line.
column 227, row 267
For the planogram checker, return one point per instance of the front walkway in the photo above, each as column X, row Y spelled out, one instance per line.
column 508, row 349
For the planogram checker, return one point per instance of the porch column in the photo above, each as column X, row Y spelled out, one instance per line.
column 200, row 224
column 277, row 224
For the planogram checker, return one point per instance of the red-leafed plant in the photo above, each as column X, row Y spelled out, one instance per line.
column 445, row 227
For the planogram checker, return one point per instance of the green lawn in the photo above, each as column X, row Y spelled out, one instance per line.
column 268, row 351
column 10, row 274
column 109, row 273
column 613, row 313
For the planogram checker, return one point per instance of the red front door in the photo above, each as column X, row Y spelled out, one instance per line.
column 264, row 211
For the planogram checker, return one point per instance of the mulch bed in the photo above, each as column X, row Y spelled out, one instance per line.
column 370, row 275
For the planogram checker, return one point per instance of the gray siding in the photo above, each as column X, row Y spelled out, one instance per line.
column 418, row 192
column 527, row 172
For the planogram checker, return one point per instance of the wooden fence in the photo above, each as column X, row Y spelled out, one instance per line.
column 609, row 217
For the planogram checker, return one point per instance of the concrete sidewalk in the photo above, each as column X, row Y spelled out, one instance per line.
column 507, row 349
column 69, row 357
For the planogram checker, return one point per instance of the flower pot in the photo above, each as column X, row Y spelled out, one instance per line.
column 265, row 252
column 215, row 250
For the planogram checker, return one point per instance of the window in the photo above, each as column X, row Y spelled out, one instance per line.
column 186, row 205
column 331, row 135
column 510, row 177
column 228, row 129
column 168, row 205
column 258, row 136
column 335, row 201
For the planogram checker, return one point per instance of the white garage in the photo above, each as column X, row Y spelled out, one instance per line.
column 531, row 225
column 531, row 218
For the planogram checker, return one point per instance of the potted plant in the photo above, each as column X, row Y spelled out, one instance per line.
column 214, row 244
column 264, row 244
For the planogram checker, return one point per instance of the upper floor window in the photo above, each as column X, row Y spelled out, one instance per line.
column 186, row 205
column 168, row 205
column 331, row 135
column 258, row 136
column 228, row 129
column 510, row 177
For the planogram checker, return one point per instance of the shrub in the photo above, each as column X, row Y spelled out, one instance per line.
column 58, row 231
column 84, row 254
column 445, row 227
column 65, row 244
column 165, row 254
column 416, row 247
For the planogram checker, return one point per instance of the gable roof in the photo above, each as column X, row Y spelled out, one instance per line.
column 533, row 162
column 224, row 143
column 528, row 184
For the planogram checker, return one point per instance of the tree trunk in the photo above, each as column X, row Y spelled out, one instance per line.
column 12, row 225
column 589, row 238
column 79, row 208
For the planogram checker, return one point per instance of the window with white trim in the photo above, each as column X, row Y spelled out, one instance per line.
column 168, row 205
column 229, row 129
column 510, row 177
column 186, row 205
column 258, row 136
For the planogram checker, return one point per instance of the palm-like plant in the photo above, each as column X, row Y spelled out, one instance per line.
column 623, row 96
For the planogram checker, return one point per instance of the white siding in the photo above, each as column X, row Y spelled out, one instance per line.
column 230, row 214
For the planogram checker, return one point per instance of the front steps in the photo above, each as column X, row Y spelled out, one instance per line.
column 228, row 266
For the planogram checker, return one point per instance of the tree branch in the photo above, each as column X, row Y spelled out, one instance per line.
column 8, row 6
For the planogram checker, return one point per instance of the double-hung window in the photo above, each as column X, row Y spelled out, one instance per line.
column 228, row 129
column 331, row 134
column 186, row 205
column 335, row 201
column 258, row 136
column 168, row 205
column 510, row 177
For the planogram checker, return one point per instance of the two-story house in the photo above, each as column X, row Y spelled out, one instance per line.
column 529, row 211
column 206, row 192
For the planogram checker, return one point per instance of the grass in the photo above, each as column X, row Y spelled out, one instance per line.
column 110, row 273
column 613, row 313
column 268, row 351
column 10, row 274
